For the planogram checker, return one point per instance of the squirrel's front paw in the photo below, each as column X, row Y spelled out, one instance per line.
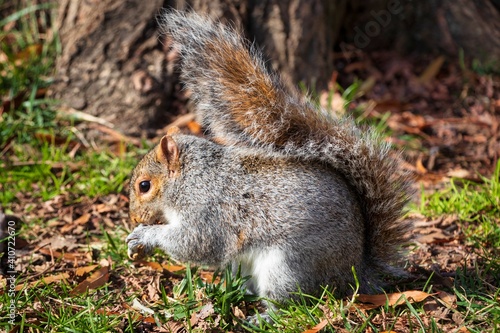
column 138, row 246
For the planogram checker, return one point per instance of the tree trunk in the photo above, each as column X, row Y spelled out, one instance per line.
column 426, row 26
column 114, row 65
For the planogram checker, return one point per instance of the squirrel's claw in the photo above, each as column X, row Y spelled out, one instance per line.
column 136, row 248
column 135, row 252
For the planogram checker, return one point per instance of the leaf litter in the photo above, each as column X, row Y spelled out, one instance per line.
column 447, row 118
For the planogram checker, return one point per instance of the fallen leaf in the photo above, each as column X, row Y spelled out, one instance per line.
column 160, row 267
column 28, row 53
column 82, row 219
column 173, row 268
column 69, row 256
column 51, row 138
column 435, row 236
column 419, row 166
column 154, row 265
column 458, row 173
column 209, row 277
column 437, row 311
column 449, row 300
column 80, row 271
column 317, row 328
column 432, row 70
column 139, row 307
column 206, row 311
column 96, row 280
column 180, row 122
column 374, row 301
column 152, row 293
column 44, row 281
column 104, row 208
column 173, row 327
column 238, row 313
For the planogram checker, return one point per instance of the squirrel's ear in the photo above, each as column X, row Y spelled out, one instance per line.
column 167, row 152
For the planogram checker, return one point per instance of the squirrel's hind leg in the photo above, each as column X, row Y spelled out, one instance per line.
column 270, row 275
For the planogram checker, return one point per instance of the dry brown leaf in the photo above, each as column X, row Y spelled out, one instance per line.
column 374, row 301
column 82, row 219
column 28, row 53
column 238, row 313
column 154, row 265
column 104, row 208
column 69, row 256
column 67, row 228
column 209, row 277
column 137, row 316
column 173, row 327
column 432, row 70
column 458, row 173
column 96, row 280
column 206, row 311
column 180, row 122
column 152, row 293
column 317, row 328
column 160, row 267
column 43, row 281
column 449, row 300
column 420, row 167
column 173, row 268
column 435, row 236
column 80, row 271
column 435, row 310
column 12, row 103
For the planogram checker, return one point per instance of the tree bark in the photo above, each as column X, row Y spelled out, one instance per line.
column 114, row 65
column 426, row 26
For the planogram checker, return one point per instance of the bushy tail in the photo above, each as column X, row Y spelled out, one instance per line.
column 240, row 101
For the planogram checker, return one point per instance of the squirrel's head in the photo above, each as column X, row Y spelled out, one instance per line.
column 151, row 176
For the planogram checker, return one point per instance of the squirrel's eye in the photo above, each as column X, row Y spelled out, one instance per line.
column 144, row 186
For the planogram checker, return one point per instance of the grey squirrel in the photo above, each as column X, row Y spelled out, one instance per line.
column 294, row 195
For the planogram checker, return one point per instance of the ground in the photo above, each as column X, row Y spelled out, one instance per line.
column 64, row 190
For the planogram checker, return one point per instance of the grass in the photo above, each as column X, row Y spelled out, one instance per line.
column 40, row 163
column 39, row 146
column 477, row 205
column 478, row 208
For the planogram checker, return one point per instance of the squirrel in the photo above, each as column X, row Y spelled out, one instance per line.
column 295, row 196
